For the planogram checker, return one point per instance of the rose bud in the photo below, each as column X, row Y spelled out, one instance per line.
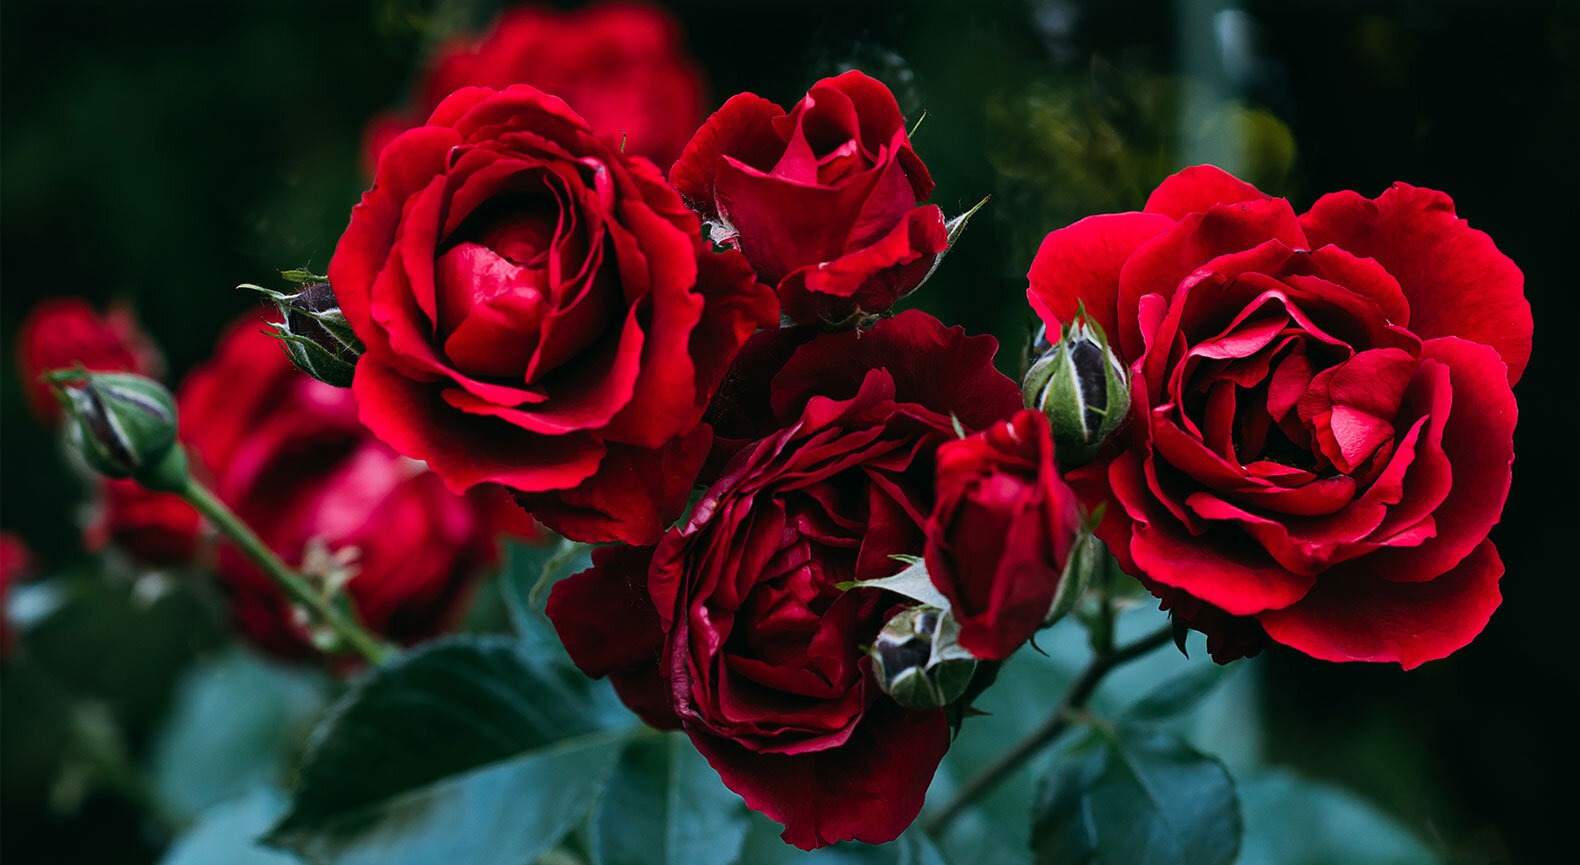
column 124, row 426
column 917, row 660
column 1082, row 387
column 315, row 334
column 1002, row 533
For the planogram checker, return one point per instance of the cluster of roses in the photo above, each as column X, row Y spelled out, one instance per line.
column 1300, row 431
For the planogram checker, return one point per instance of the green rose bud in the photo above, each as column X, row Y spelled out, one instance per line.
column 124, row 426
column 917, row 661
column 315, row 334
column 1082, row 387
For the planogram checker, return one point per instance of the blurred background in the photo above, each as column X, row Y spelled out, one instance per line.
column 160, row 152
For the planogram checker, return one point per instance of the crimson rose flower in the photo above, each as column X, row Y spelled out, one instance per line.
column 540, row 311
column 1000, row 532
column 623, row 66
column 825, row 200
column 734, row 627
column 287, row 453
column 62, row 332
column 1321, row 425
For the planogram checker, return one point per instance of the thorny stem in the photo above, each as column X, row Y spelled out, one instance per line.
column 1050, row 729
column 350, row 632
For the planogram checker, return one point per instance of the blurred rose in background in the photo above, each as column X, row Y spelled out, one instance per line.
column 288, row 454
column 64, row 331
column 623, row 66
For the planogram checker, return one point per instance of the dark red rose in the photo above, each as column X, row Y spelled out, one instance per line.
column 288, row 454
column 734, row 627
column 1000, row 532
column 825, row 200
column 62, row 332
column 1321, row 426
column 540, row 311
column 623, row 66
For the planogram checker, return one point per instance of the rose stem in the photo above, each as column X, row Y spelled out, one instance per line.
column 1049, row 730
column 292, row 583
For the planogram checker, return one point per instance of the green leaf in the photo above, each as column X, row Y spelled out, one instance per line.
column 957, row 226
column 234, row 722
column 225, row 834
column 1178, row 695
column 666, row 806
column 913, row 582
column 1139, row 797
column 1294, row 821
column 301, row 274
column 459, row 751
column 953, row 228
column 78, row 629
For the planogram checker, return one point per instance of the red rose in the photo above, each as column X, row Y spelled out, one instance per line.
column 734, row 627
column 825, row 201
column 1321, row 426
column 540, row 310
column 62, row 332
column 1000, row 532
column 157, row 529
column 623, row 66
column 16, row 565
column 289, row 456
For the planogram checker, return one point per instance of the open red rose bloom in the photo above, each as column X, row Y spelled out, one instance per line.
column 540, row 311
column 1321, row 425
column 737, row 628
column 824, row 200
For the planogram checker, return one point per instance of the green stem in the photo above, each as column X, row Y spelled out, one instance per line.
column 1050, row 729
column 293, row 584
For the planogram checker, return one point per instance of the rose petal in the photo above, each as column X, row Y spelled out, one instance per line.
column 413, row 419
column 607, row 622
column 1080, row 263
column 1197, row 188
column 635, row 495
column 869, row 789
column 730, row 129
column 1354, row 616
column 1457, row 281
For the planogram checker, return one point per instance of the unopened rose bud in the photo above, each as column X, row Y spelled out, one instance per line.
column 1081, row 386
column 917, row 661
column 124, row 426
column 315, row 333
